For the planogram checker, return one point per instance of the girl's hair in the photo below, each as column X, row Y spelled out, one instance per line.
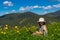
column 43, row 23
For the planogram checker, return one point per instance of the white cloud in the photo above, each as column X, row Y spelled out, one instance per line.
column 47, row 7
column 13, row 11
column 56, row 6
column 6, row 12
column 36, row 6
column 22, row 8
column 28, row 7
column 8, row 3
column 25, row 8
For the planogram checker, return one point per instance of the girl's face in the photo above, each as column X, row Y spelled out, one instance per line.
column 41, row 23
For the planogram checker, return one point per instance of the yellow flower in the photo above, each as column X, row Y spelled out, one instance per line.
column 16, row 26
column 0, row 28
column 26, row 28
column 6, row 25
column 4, row 33
column 17, row 31
column 29, row 28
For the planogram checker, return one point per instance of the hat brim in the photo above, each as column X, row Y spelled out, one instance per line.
column 41, row 21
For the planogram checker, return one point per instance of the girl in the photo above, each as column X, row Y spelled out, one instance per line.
column 42, row 26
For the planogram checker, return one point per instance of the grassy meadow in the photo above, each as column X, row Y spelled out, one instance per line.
column 24, row 33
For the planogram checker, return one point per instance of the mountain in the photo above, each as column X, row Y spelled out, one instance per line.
column 28, row 18
column 53, row 17
column 21, row 19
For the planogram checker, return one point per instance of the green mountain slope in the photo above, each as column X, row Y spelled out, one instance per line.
column 28, row 18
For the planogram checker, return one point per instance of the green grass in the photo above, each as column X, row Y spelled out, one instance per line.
column 24, row 34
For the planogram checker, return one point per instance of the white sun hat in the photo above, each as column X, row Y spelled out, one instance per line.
column 41, row 20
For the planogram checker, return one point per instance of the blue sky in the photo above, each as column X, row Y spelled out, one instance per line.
column 37, row 6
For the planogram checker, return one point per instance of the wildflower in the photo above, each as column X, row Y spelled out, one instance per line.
column 4, row 33
column 16, row 26
column 0, row 28
column 29, row 28
column 33, row 26
column 26, row 28
column 6, row 25
column 17, row 31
